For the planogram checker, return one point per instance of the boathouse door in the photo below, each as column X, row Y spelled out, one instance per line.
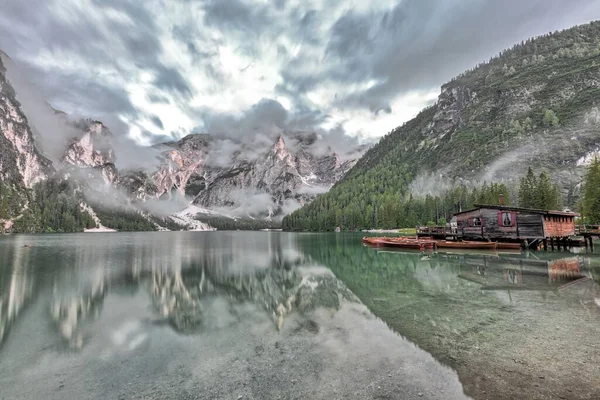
column 530, row 226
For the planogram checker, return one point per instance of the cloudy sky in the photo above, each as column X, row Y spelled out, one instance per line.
column 161, row 68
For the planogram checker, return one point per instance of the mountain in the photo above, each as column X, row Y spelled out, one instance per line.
column 58, row 174
column 266, row 182
column 91, row 149
column 21, row 164
column 281, row 179
column 533, row 105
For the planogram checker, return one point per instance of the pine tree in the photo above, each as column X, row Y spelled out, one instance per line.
column 591, row 193
column 547, row 195
column 527, row 190
column 550, row 119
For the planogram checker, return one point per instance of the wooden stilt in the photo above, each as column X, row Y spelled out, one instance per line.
column 552, row 243
column 546, row 244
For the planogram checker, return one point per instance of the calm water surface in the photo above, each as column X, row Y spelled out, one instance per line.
column 259, row 315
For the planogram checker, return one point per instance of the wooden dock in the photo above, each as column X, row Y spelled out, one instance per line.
column 436, row 232
column 588, row 232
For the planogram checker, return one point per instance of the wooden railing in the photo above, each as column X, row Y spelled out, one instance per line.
column 434, row 231
column 587, row 230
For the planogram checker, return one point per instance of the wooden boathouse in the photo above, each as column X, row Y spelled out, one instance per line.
column 514, row 224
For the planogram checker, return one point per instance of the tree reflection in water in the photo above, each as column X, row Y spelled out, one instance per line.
column 16, row 285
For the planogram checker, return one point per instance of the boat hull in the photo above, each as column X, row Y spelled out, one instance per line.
column 402, row 244
column 399, row 242
column 371, row 241
column 443, row 244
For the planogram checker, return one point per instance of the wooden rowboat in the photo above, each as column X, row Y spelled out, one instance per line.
column 446, row 244
column 399, row 242
column 408, row 243
column 376, row 241
column 403, row 244
column 373, row 241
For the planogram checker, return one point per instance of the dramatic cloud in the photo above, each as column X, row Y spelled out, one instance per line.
column 157, row 122
column 156, row 68
column 247, row 133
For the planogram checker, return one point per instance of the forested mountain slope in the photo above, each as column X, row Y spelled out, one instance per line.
column 533, row 105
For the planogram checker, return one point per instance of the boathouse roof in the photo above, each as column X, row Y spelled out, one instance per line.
column 521, row 209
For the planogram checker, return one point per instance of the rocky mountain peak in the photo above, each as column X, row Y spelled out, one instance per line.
column 338, row 160
column 279, row 148
column 91, row 148
column 283, row 178
column 20, row 162
column 195, row 141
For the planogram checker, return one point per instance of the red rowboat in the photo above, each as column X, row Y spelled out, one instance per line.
column 373, row 241
column 400, row 242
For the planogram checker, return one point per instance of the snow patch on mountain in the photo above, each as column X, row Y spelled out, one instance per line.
column 99, row 227
column 588, row 158
column 187, row 217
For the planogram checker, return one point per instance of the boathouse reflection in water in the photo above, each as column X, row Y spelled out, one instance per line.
column 496, row 272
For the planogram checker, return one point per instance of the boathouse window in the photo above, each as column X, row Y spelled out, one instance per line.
column 507, row 219
column 476, row 221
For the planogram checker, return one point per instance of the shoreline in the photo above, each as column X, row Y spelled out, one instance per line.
column 100, row 229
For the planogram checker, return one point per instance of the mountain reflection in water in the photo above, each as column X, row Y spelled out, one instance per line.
column 182, row 282
column 194, row 315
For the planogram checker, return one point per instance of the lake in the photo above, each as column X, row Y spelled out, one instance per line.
column 262, row 315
